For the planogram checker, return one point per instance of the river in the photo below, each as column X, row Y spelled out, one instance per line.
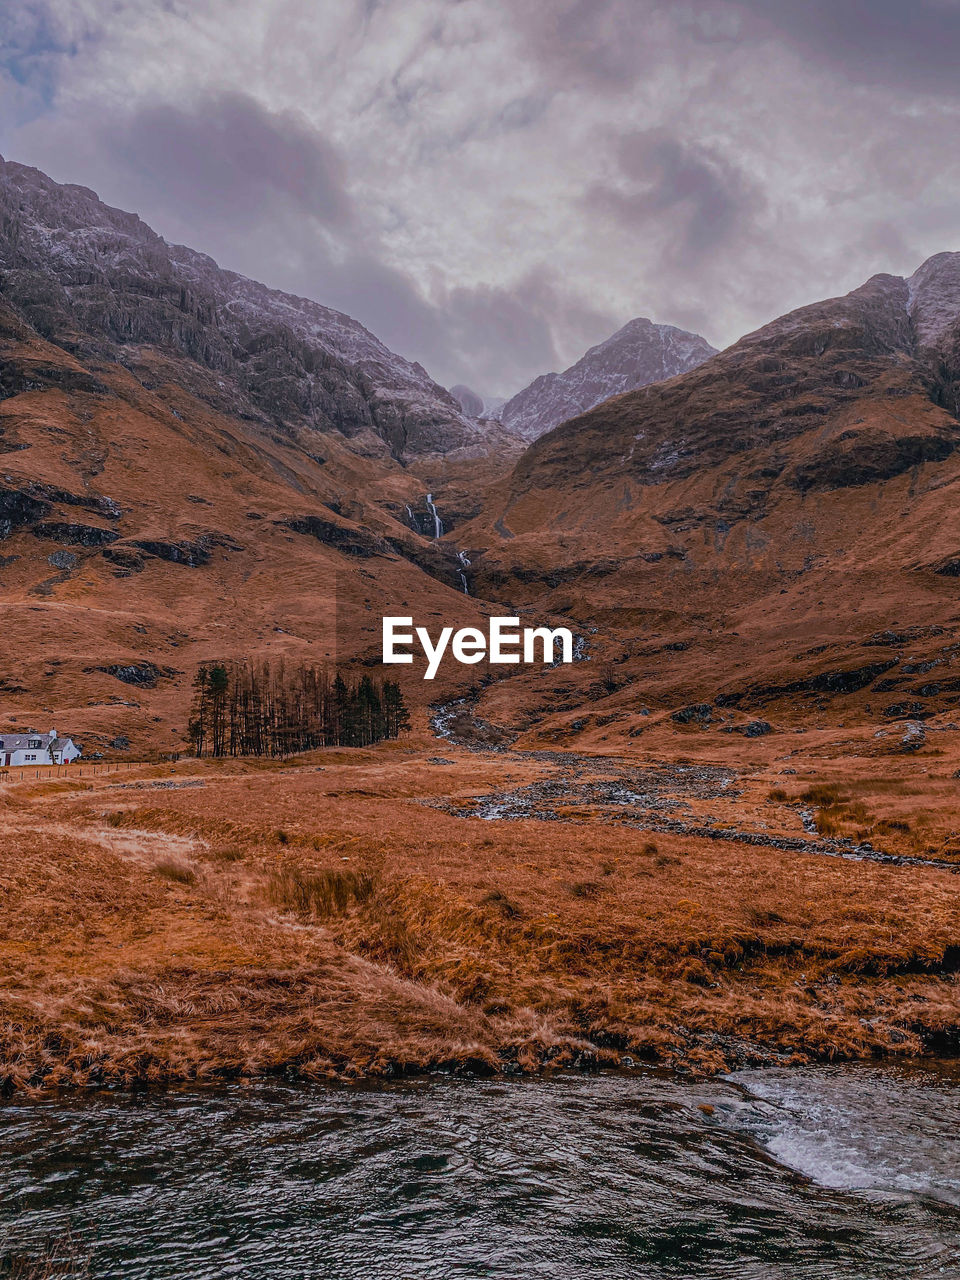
column 833, row 1173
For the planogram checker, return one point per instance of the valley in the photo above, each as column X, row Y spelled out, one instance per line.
column 479, row 640
column 724, row 834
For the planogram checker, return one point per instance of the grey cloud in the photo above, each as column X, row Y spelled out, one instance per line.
column 913, row 44
column 266, row 195
column 230, row 163
column 600, row 43
column 33, row 30
column 698, row 198
column 19, row 103
column 709, row 164
column 383, row 298
column 231, row 158
column 515, row 319
column 522, row 112
column 607, row 44
column 493, row 337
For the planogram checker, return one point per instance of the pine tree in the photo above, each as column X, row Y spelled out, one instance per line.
column 396, row 716
column 219, row 687
column 197, row 727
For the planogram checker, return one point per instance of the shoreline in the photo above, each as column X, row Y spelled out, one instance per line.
column 599, row 1063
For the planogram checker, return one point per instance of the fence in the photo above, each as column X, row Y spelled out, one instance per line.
column 32, row 773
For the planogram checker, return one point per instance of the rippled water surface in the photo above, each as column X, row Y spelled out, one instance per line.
column 829, row 1173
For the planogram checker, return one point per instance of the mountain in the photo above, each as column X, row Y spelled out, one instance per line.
column 469, row 401
column 475, row 405
column 640, row 353
column 776, row 531
column 791, row 395
column 98, row 282
column 193, row 467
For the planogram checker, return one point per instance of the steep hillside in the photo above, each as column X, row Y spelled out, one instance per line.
column 640, row 353
column 194, row 467
column 143, row 532
column 775, row 533
column 791, row 381
column 99, row 283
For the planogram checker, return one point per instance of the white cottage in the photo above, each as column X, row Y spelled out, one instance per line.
column 36, row 748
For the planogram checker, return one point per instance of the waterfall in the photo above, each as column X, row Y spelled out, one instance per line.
column 412, row 518
column 438, row 534
column 437, row 522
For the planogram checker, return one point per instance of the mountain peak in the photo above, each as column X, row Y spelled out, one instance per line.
column 639, row 353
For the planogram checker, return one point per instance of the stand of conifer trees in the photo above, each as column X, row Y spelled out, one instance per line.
column 271, row 709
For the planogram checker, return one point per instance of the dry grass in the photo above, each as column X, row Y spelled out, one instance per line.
column 318, row 931
column 178, row 872
column 65, row 1258
column 320, row 894
column 925, row 824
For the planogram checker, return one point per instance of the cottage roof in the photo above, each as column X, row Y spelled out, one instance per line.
column 21, row 741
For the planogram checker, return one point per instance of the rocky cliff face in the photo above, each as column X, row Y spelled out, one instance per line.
column 143, row 532
column 934, row 307
column 99, row 283
column 636, row 355
column 193, row 467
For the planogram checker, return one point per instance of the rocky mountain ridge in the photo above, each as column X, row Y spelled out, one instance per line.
column 97, row 281
column 774, row 533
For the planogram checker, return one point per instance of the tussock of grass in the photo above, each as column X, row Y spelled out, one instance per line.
column 585, row 889
column 321, row 894
column 763, row 919
column 840, row 814
column 825, row 795
column 228, row 853
column 835, row 810
column 890, row 826
column 502, row 904
column 178, row 872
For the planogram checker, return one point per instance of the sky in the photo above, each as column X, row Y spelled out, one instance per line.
column 492, row 186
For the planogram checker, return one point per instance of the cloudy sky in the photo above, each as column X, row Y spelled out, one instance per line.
column 492, row 186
